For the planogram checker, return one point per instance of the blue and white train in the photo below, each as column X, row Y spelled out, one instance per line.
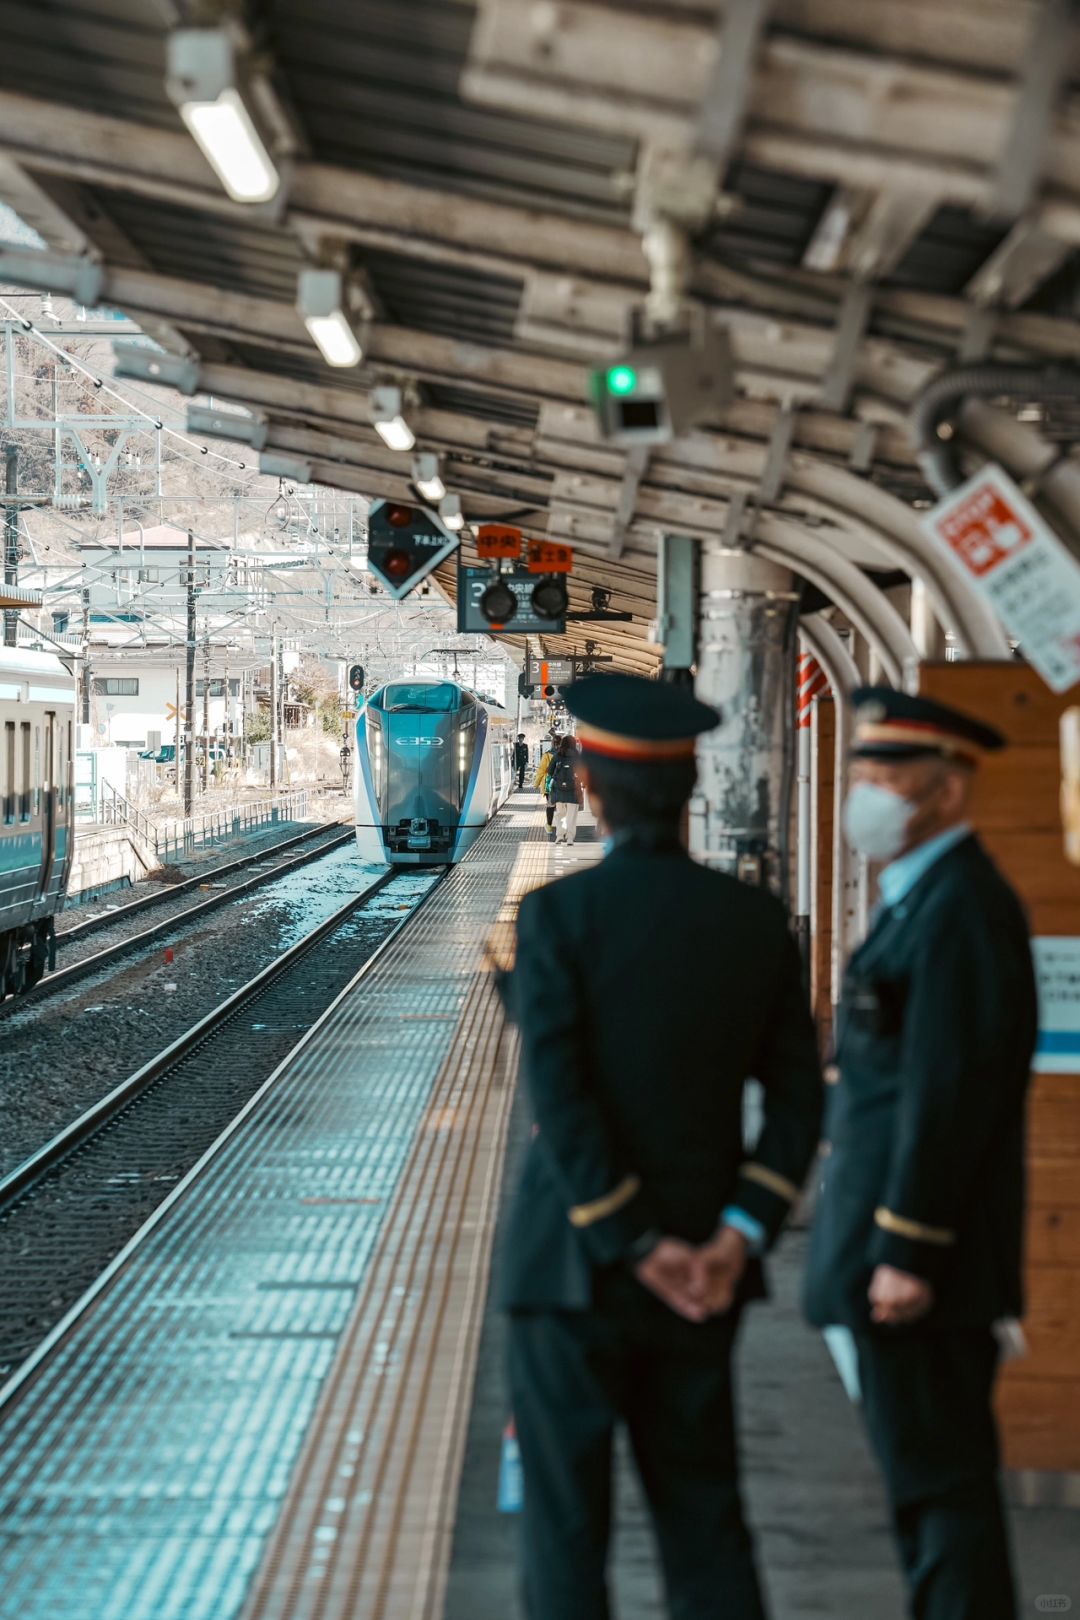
column 37, row 716
column 433, row 765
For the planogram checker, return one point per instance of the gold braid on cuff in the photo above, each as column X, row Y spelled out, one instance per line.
column 610, row 1204
column 915, row 1230
column 780, row 1185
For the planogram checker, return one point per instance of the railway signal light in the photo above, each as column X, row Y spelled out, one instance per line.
column 404, row 544
column 498, row 603
column 663, row 384
column 550, row 598
column 356, row 678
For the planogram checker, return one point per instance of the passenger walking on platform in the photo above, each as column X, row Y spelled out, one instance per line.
column 521, row 759
column 647, row 989
column 542, row 779
column 564, row 790
column 918, row 1232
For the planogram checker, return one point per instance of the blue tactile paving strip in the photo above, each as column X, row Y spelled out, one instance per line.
column 145, row 1457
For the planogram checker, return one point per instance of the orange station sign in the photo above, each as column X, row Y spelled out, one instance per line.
column 498, row 541
column 545, row 557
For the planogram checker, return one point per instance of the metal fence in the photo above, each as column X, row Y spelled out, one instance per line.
column 177, row 836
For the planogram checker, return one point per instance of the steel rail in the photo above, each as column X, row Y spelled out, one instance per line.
column 90, row 964
column 89, row 1123
column 145, row 902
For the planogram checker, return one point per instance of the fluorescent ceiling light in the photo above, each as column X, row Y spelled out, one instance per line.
column 202, row 81
column 335, row 337
column 390, row 424
column 321, row 298
column 451, row 513
column 426, row 477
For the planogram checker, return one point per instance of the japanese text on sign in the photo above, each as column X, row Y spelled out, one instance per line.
column 1057, row 970
column 545, row 557
column 1018, row 563
column 498, row 540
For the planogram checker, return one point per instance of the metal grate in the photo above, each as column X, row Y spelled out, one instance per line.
column 145, row 1457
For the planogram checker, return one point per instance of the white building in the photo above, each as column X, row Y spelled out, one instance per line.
column 134, row 697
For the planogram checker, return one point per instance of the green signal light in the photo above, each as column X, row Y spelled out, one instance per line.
column 621, row 380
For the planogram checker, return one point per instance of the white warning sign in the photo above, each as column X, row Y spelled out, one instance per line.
column 1018, row 563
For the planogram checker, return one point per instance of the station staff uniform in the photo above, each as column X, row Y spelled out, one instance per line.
column 647, row 989
column 925, row 1173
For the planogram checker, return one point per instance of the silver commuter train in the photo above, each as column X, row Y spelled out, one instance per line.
column 433, row 765
column 37, row 714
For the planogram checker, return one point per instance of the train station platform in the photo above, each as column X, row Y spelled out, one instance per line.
column 283, row 1400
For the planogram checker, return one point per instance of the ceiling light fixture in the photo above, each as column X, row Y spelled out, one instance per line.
column 202, row 79
column 321, row 300
column 451, row 513
column 426, row 476
column 389, row 423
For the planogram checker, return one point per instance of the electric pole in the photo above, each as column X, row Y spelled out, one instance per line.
column 189, row 713
column 206, row 714
column 86, row 676
column 274, row 683
column 11, row 540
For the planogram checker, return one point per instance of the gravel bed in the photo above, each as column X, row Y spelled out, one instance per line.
column 59, row 1057
column 78, row 949
column 56, row 1240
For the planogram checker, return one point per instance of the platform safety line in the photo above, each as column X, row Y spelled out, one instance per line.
column 454, row 1167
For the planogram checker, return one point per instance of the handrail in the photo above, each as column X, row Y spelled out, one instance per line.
column 180, row 835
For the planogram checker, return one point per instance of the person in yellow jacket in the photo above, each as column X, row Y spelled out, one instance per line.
column 540, row 780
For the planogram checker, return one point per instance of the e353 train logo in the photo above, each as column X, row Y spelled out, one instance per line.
column 418, row 742
column 1053, row 1603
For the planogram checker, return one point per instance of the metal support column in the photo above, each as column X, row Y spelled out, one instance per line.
column 274, row 684
column 206, row 715
column 740, row 816
column 927, row 631
column 189, row 685
column 11, row 539
column 87, row 678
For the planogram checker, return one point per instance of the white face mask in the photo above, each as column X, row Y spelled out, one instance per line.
column 876, row 821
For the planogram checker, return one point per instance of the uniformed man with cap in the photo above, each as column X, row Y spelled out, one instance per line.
column 647, row 989
column 917, row 1238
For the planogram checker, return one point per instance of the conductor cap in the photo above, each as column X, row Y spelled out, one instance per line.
column 631, row 718
column 891, row 725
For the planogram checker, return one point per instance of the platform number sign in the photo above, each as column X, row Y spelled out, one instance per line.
column 404, row 544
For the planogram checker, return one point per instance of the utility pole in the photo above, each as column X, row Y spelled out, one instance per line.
column 226, row 725
column 11, row 540
column 206, row 714
column 87, row 680
column 189, row 714
column 274, row 683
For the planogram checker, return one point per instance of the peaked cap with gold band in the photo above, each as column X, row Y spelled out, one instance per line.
column 891, row 725
column 627, row 717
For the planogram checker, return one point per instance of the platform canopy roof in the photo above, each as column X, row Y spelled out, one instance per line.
column 870, row 193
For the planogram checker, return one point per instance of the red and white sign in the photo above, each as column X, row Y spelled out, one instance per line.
column 1014, row 559
column 498, row 540
column 813, row 683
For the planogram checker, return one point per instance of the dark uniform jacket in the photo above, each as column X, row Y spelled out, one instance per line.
column 925, row 1120
column 647, row 990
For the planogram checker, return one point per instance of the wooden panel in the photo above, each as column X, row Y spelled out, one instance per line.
column 1036, row 1431
column 821, row 987
column 1034, row 862
column 1020, row 786
column 1008, row 696
column 1017, row 813
column 1053, row 1234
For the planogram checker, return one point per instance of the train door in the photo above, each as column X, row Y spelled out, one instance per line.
column 47, row 779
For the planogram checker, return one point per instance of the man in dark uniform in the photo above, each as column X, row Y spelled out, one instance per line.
column 917, row 1238
column 647, row 989
column 521, row 759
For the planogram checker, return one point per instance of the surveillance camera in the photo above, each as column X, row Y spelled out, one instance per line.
column 663, row 384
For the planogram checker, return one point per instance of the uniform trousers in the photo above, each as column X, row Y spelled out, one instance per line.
column 927, row 1400
column 577, row 1376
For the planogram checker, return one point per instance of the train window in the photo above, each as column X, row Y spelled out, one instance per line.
column 421, row 698
column 35, row 784
column 7, row 786
column 24, row 784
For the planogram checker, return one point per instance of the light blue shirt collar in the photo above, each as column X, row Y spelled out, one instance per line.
column 900, row 876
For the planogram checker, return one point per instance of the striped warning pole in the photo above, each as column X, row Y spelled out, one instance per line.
column 811, row 683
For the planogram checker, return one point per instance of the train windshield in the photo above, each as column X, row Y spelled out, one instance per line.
column 420, row 699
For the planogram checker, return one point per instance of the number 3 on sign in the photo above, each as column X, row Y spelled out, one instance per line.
column 547, row 558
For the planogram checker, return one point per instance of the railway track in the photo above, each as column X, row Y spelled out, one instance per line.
column 61, row 977
column 68, row 1208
